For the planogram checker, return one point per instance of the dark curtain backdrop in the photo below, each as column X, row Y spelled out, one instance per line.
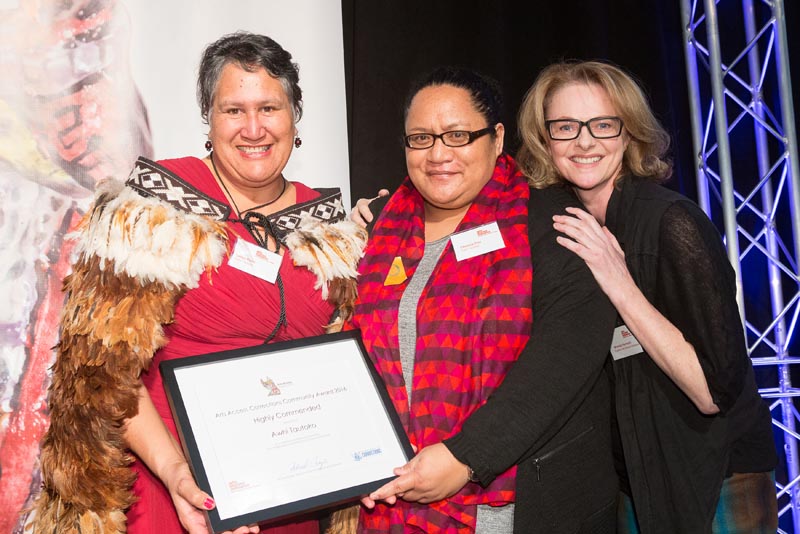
column 389, row 43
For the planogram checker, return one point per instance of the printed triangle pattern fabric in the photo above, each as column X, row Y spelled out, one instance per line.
column 473, row 319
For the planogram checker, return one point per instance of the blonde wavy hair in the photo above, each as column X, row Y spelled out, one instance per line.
column 645, row 155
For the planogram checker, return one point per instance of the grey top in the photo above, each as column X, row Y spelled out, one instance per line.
column 407, row 312
column 491, row 519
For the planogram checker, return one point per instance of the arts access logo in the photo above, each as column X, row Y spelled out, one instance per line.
column 270, row 386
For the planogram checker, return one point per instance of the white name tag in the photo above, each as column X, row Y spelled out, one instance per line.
column 624, row 343
column 255, row 260
column 480, row 240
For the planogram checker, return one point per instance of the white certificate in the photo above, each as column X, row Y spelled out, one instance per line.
column 280, row 429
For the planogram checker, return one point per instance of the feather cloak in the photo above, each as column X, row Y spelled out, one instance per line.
column 135, row 257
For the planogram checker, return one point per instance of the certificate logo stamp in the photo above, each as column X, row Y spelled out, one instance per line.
column 270, row 386
column 360, row 455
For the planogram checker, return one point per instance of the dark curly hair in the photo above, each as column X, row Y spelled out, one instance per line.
column 251, row 52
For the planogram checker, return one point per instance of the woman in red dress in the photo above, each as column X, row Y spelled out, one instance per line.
column 172, row 230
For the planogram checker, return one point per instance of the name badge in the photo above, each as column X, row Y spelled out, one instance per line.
column 255, row 260
column 480, row 240
column 624, row 343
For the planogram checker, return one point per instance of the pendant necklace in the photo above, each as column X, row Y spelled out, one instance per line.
column 256, row 223
column 225, row 187
column 259, row 226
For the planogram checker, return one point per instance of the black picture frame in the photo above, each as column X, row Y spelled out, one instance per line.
column 171, row 369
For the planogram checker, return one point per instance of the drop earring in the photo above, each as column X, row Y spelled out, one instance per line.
column 297, row 141
column 208, row 145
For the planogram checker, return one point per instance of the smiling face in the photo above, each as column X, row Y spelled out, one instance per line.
column 589, row 164
column 251, row 127
column 449, row 178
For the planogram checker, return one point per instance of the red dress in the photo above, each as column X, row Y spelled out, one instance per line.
column 230, row 310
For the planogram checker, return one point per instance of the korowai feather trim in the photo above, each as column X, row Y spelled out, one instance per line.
column 330, row 251
column 148, row 239
column 135, row 257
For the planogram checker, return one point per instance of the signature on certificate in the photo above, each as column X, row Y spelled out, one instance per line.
column 312, row 464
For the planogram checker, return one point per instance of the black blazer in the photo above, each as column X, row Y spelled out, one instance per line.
column 552, row 413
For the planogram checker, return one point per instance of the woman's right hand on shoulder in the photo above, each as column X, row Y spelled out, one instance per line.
column 190, row 501
column 361, row 214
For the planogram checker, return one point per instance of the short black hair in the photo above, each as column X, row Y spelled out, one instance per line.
column 485, row 92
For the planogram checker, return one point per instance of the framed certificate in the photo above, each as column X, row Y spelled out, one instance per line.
column 280, row 429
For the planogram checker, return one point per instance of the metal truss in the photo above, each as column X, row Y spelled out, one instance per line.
column 745, row 142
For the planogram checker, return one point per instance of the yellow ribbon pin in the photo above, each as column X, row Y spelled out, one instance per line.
column 397, row 273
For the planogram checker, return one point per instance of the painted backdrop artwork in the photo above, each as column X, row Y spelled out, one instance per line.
column 70, row 115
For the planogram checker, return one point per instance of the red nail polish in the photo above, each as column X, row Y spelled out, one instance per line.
column 209, row 503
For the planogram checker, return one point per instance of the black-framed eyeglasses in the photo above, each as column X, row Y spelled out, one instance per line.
column 599, row 128
column 454, row 138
